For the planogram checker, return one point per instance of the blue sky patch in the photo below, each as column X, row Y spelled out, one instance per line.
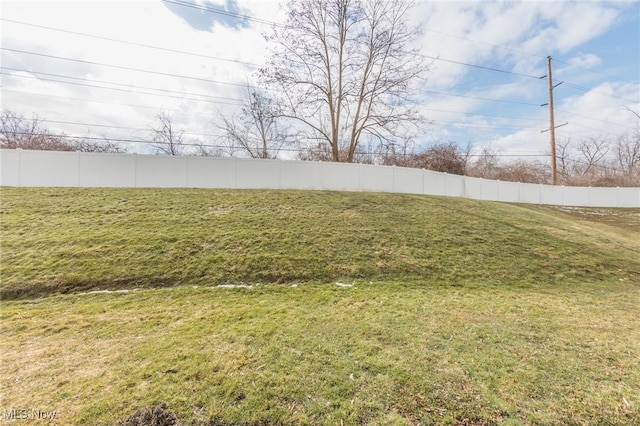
column 203, row 16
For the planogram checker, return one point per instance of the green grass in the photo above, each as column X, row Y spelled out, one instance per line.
column 65, row 240
column 461, row 312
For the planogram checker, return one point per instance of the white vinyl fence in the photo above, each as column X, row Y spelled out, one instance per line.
column 25, row 168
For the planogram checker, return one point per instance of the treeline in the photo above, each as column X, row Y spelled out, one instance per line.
column 589, row 161
column 580, row 162
column 18, row 131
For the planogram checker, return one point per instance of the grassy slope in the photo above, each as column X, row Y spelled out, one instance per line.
column 461, row 311
column 66, row 240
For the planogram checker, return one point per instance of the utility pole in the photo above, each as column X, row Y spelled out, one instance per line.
column 552, row 125
column 552, row 129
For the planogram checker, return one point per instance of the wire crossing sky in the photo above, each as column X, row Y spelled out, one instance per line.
column 107, row 68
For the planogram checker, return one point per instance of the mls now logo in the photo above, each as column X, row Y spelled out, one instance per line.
column 24, row 414
column 16, row 414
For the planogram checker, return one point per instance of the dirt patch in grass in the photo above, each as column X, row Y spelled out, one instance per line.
column 157, row 415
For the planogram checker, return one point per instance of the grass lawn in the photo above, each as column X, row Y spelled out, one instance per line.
column 459, row 312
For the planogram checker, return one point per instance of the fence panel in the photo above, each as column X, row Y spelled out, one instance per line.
column 340, row 176
column 257, row 174
column 408, row 181
column 300, row 175
column 10, row 162
column 628, row 197
column 161, row 171
column 435, row 183
column 49, row 168
column 553, row 195
column 107, row 170
column 376, row 178
column 529, row 193
column 210, row 172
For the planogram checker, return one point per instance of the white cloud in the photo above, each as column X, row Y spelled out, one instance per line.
column 585, row 60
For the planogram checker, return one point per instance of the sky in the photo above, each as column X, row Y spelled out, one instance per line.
column 107, row 68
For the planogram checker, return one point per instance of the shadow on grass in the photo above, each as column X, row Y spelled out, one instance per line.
column 34, row 291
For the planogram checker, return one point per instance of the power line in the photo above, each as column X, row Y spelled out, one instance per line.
column 589, row 128
column 186, row 132
column 120, row 90
column 244, row 62
column 488, row 44
column 116, row 84
column 587, row 89
column 224, row 82
column 206, row 114
column 108, row 126
column 148, row 142
column 435, row 58
column 263, row 21
column 135, row 129
column 223, row 12
column 437, row 122
column 592, row 71
column 236, row 99
column 479, row 114
column 595, row 119
column 132, row 43
column 475, row 125
column 154, row 107
column 202, row 79
column 123, row 67
column 480, row 98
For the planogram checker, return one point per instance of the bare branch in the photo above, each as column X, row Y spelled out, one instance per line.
column 165, row 138
column 258, row 130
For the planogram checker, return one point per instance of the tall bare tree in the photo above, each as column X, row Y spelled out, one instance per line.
column 345, row 69
column 257, row 130
column 165, row 138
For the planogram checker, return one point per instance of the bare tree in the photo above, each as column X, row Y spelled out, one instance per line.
column 344, row 69
column 627, row 150
column 90, row 143
column 164, row 136
column 364, row 154
column 523, row 171
column 17, row 131
column 485, row 164
column 257, row 130
column 203, row 150
column 442, row 157
column 593, row 151
column 398, row 154
column 564, row 159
